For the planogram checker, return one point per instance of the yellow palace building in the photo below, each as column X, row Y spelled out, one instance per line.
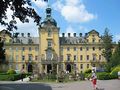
column 50, row 52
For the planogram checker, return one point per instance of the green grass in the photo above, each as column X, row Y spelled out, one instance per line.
column 4, row 77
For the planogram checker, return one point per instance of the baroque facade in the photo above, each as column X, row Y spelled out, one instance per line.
column 50, row 52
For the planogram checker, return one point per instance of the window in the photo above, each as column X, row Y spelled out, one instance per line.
column 93, row 65
column 93, row 48
column 23, row 48
column 75, row 66
column 49, row 33
column 75, row 57
column 87, row 57
column 87, row 48
column 16, row 66
column 99, row 40
column 94, row 57
column 30, row 48
column 99, row 57
column 36, row 57
column 75, row 48
column 30, row 57
column 81, row 57
column 87, row 40
column 16, row 49
column 87, row 65
column 61, row 48
column 68, row 57
column 99, row 48
column 80, row 48
column 61, row 58
column 68, row 48
column 10, row 40
column 49, row 43
column 93, row 40
column 23, row 57
column 10, row 49
column 11, row 57
column 16, row 57
column 81, row 66
column 36, row 48
column 49, row 55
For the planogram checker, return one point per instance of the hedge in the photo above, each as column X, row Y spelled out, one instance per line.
column 12, row 77
column 103, row 76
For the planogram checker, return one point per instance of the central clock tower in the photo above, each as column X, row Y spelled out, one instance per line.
column 49, row 44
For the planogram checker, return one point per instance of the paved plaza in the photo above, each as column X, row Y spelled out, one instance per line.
column 79, row 85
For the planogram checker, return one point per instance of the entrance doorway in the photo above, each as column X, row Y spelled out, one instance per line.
column 68, row 68
column 30, row 68
column 49, row 67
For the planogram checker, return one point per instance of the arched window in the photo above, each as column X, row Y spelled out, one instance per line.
column 49, row 33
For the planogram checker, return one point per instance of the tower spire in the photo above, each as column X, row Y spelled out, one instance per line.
column 48, row 11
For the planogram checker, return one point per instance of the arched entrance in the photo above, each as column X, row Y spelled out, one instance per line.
column 68, row 67
column 30, row 68
column 49, row 67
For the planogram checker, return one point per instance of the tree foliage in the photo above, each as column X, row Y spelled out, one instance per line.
column 22, row 9
column 107, row 45
column 115, row 60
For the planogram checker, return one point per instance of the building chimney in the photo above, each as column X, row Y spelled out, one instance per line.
column 80, row 34
column 28, row 34
column 74, row 34
column 68, row 34
column 63, row 34
column 22, row 34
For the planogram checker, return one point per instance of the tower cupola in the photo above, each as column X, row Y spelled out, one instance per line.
column 48, row 12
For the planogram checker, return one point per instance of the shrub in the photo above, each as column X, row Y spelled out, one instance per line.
column 11, row 71
column 88, row 71
column 13, row 77
column 114, row 72
column 88, row 75
column 103, row 76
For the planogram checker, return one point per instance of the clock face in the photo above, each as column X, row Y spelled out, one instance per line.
column 49, row 55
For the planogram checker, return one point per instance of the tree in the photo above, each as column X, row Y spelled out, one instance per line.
column 107, row 45
column 22, row 9
column 115, row 60
column 107, row 49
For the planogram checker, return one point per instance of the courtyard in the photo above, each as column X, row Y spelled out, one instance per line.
column 78, row 85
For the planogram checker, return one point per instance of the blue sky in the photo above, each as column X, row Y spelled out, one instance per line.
column 79, row 16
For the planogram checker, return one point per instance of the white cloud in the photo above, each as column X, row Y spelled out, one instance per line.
column 73, row 11
column 72, row 2
column 83, row 29
column 117, row 37
column 40, row 3
column 70, row 30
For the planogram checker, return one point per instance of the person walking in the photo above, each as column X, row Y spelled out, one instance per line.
column 94, row 80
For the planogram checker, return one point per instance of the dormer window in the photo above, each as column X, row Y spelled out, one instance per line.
column 49, row 33
column 93, row 40
column 49, row 43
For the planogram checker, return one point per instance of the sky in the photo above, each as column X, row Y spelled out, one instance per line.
column 77, row 16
